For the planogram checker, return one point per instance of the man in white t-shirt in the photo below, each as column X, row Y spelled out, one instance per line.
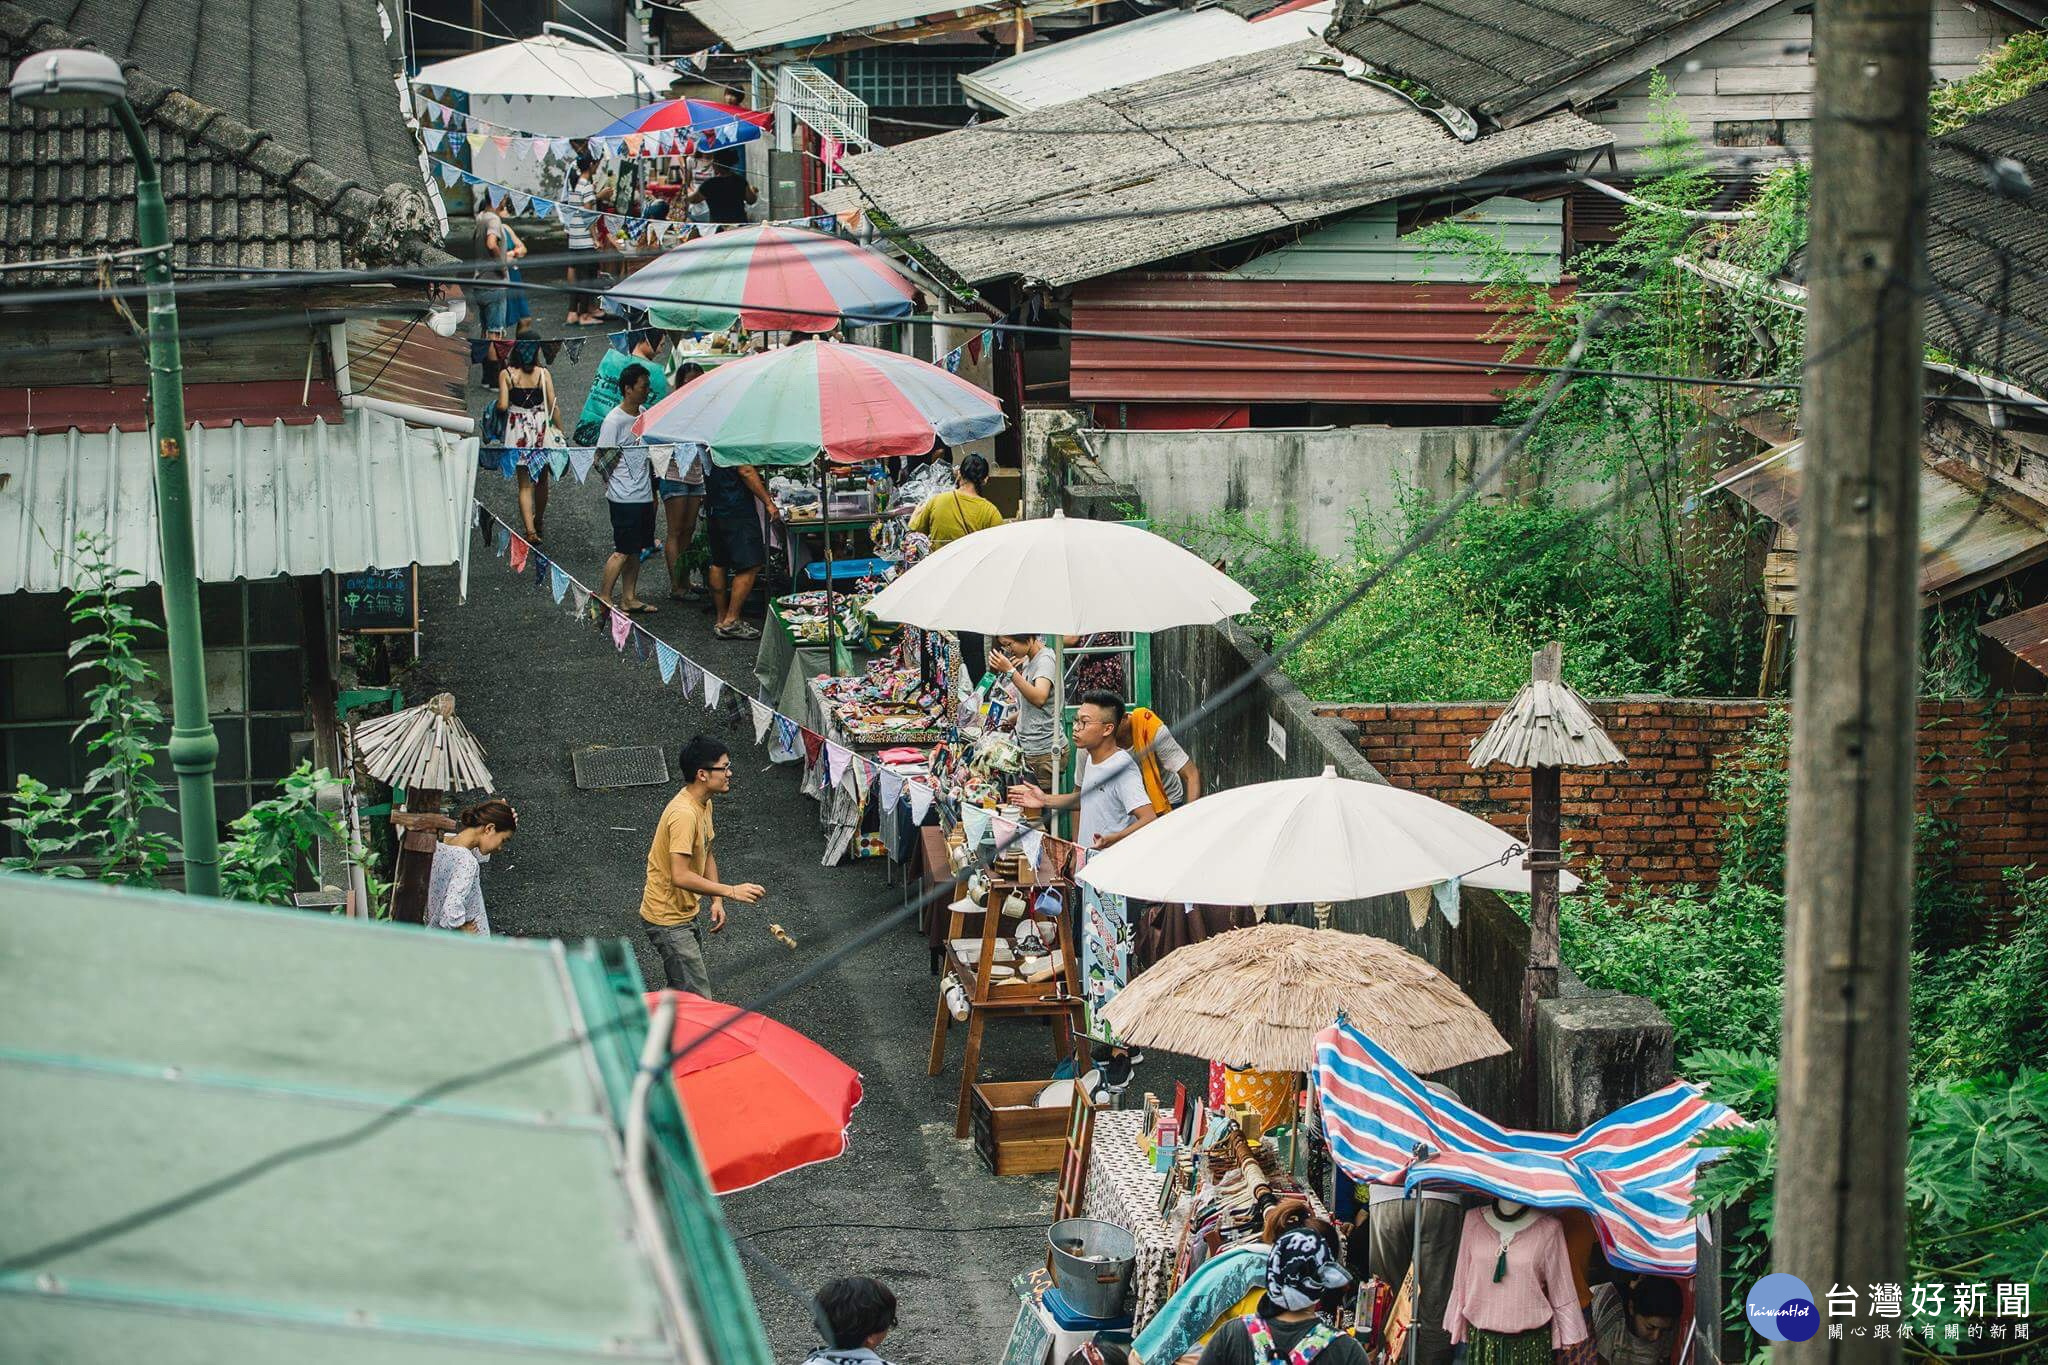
column 628, row 490
column 1112, row 797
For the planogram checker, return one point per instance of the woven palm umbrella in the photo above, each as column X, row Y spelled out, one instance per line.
column 423, row 746
column 1256, row 998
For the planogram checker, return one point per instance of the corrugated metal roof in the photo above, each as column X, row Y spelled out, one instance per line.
column 367, row 492
column 1156, row 45
column 1495, row 57
column 403, row 361
column 1445, row 321
column 1151, row 170
column 1971, row 531
column 1987, row 251
column 2025, row 633
column 224, row 1161
column 1368, row 245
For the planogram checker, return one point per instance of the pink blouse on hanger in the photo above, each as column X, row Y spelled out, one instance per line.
column 1537, row 1288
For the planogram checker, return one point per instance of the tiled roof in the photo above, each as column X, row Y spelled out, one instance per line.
column 1492, row 57
column 1987, row 244
column 278, row 129
column 1139, row 174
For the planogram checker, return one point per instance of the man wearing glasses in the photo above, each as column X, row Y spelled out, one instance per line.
column 1112, row 798
column 682, row 870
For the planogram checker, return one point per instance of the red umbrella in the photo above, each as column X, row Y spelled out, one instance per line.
column 761, row 1098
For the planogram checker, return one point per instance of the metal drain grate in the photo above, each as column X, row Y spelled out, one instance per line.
column 632, row 767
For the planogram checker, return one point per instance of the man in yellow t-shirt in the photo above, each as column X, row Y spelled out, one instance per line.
column 682, row 870
column 946, row 517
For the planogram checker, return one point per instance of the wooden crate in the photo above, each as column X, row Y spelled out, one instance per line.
column 1013, row 1136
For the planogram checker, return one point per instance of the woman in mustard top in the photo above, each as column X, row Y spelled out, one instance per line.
column 946, row 517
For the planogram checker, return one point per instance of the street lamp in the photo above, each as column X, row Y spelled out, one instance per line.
column 70, row 78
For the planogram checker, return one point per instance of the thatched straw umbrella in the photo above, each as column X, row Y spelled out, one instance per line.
column 429, row 752
column 1255, row 998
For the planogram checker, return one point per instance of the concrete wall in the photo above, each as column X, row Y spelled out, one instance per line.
column 1321, row 478
column 1598, row 1050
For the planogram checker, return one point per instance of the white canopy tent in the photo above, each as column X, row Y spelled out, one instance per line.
column 549, row 85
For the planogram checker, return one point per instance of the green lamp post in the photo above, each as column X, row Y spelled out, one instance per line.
column 70, row 78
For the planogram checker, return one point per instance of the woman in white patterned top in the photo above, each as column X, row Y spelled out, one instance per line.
column 455, row 893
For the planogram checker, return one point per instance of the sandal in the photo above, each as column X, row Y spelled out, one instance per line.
column 643, row 609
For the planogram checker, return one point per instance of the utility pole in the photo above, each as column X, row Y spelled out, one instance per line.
column 1841, row 1197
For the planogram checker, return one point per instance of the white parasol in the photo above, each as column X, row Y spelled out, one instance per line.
column 1309, row 840
column 1060, row 575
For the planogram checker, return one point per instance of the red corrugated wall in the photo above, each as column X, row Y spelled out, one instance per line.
column 1446, row 321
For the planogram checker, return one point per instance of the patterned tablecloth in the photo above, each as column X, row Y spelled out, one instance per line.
column 1124, row 1190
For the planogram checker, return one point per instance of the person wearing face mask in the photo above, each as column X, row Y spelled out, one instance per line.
column 455, row 893
column 1513, row 1300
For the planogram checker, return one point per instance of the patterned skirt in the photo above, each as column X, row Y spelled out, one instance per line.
column 1508, row 1348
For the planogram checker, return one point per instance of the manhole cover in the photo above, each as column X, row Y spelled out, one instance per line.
column 636, row 767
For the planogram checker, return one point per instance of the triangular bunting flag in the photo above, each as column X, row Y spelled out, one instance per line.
column 541, row 565
column 714, row 687
column 666, row 658
column 1034, row 843
column 622, row 626
column 500, row 543
column 476, row 142
column 558, row 463
column 501, row 142
column 863, row 779
column 632, row 144
column 520, row 200
column 579, row 599
column 837, row 756
column 450, row 172
column 639, row 644
column 1447, row 900
column 693, row 677
column 562, row 148
column 814, row 744
column 762, row 715
column 920, row 801
column 892, row 789
column 543, row 208
column 560, row 580
column 581, row 458
column 977, row 819
column 787, row 740
column 519, row 550
column 574, row 346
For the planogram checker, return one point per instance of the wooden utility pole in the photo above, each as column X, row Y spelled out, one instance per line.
column 1841, row 1198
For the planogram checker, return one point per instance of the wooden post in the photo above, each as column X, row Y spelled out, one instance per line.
column 1539, row 977
column 420, row 826
column 1841, row 1197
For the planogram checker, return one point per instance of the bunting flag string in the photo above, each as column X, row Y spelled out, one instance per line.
column 970, row 351
column 667, row 459
column 827, row 763
column 442, row 123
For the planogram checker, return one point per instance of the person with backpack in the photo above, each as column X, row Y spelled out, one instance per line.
column 1305, row 1278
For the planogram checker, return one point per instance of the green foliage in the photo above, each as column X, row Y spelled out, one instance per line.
column 49, row 830
column 266, row 846
column 1980, row 1007
column 1976, row 1178
column 2006, row 73
column 1755, row 784
column 105, row 826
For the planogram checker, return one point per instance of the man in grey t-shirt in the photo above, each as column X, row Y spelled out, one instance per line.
column 1112, row 798
column 1031, row 669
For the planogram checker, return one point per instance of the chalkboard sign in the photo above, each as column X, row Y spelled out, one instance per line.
column 379, row 601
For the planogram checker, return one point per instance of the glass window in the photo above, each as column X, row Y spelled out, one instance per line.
column 37, row 688
column 905, row 78
column 273, row 612
column 276, row 681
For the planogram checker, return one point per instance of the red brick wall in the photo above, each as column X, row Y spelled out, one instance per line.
column 1983, row 765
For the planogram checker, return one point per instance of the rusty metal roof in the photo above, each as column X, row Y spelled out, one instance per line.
column 2025, row 633
column 1971, row 530
column 402, row 362
column 1451, row 322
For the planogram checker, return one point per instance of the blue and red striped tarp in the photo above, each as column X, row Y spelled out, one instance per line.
column 1632, row 1171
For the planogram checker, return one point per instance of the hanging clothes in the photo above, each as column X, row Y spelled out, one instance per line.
column 1514, row 1276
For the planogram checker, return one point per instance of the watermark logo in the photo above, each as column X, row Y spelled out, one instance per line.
column 1781, row 1308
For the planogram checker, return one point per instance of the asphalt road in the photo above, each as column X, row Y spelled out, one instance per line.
column 535, row 686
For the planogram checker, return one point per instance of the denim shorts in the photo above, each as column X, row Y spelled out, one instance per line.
column 492, row 307
column 676, row 488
